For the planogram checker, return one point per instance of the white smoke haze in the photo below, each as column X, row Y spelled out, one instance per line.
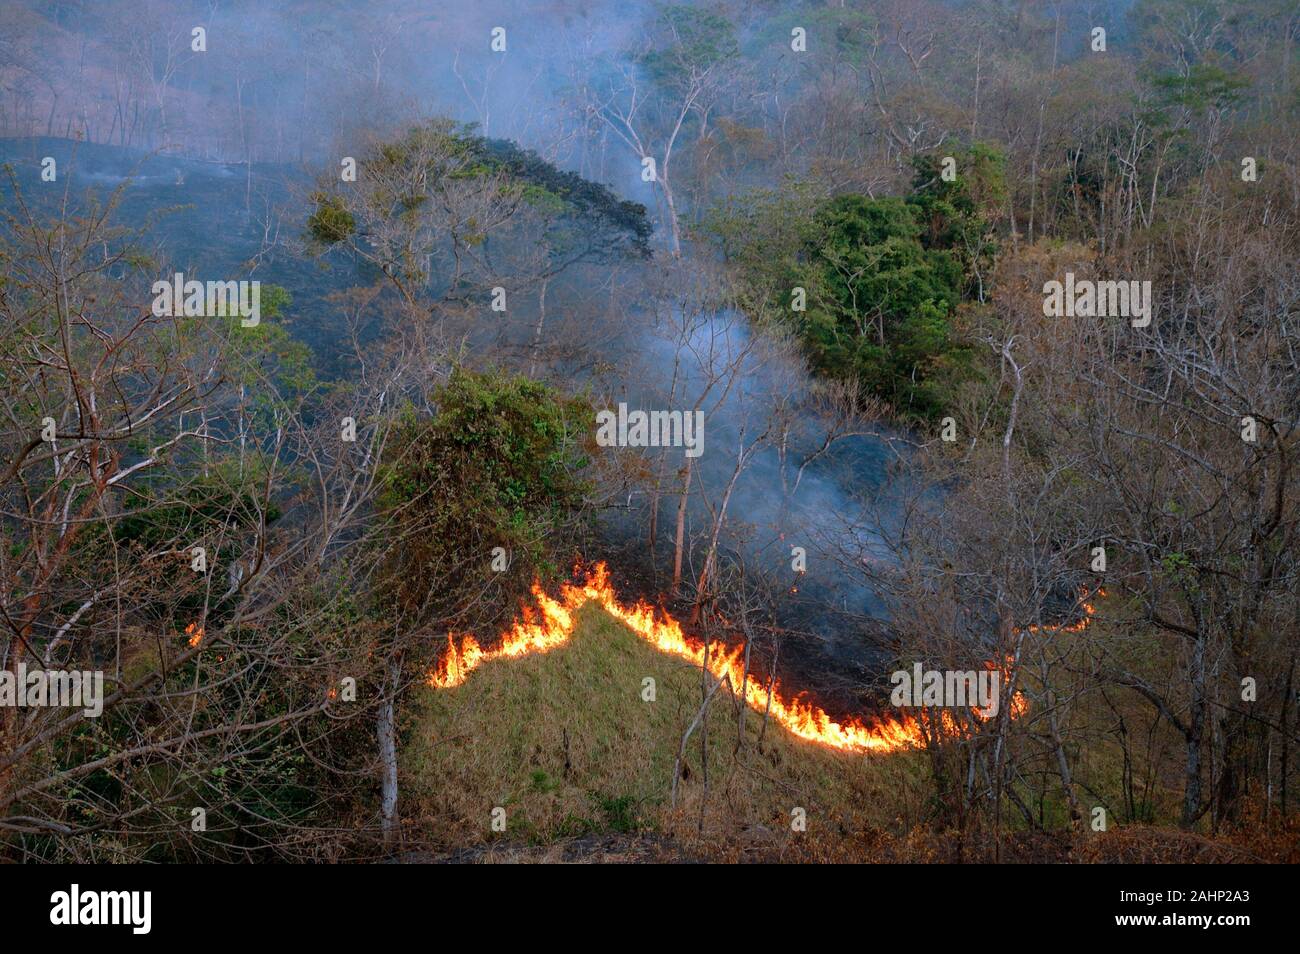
column 815, row 474
column 970, row 326
column 296, row 93
column 239, row 145
column 299, row 86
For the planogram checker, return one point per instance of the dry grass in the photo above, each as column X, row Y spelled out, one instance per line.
column 566, row 745
column 582, row 766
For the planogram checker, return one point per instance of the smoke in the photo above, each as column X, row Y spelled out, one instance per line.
column 305, row 83
column 278, row 91
column 277, row 84
column 809, row 477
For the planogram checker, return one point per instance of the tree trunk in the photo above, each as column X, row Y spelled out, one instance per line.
column 387, row 732
column 537, row 332
column 680, row 545
column 711, row 558
column 1063, row 766
column 1195, row 731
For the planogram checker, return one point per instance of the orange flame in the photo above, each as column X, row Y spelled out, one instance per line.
column 552, row 624
column 195, row 633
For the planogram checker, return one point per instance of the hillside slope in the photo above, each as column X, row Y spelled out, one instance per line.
column 565, row 744
column 582, row 766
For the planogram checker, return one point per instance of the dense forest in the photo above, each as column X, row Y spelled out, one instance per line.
column 565, row 429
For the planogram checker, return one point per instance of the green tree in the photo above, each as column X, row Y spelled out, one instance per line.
column 957, row 215
column 879, row 303
column 500, row 464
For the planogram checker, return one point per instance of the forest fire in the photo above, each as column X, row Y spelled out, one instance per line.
column 552, row 623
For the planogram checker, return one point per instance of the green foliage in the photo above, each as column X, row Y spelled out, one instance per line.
column 620, row 811
column 763, row 232
column 845, row 31
column 577, row 219
column 688, row 42
column 879, row 302
column 223, row 496
column 1205, row 86
column 958, row 216
column 499, row 464
column 331, row 222
column 611, row 225
column 543, row 783
column 883, row 277
column 269, row 362
column 217, row 506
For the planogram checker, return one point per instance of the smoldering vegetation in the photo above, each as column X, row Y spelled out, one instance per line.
column 822, row 227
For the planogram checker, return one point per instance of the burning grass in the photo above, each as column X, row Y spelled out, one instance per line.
column 564, row 743
column 550, row 624
column 560, row 737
